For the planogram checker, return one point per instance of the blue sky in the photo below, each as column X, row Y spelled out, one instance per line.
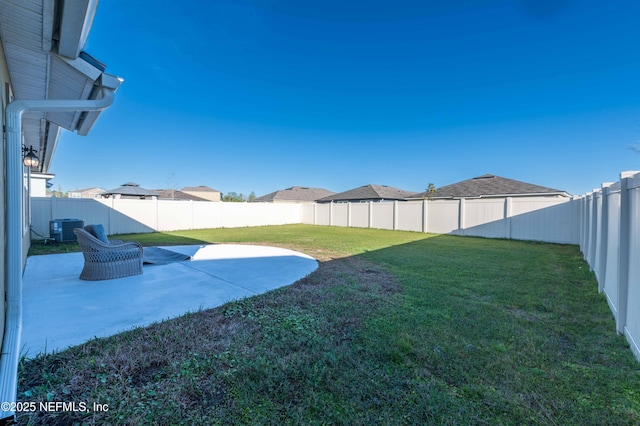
column 260, row 95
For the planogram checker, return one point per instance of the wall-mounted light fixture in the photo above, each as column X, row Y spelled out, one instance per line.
column 29, row 157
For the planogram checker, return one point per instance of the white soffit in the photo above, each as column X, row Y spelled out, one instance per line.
column 70, row 79
column 27, row 30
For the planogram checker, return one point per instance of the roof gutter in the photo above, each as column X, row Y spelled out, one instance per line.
column 13, row 225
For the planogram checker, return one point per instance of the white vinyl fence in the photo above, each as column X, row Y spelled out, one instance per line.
column 528, row 218
column 610, row 242
column 122, row 216
column 605, row 223
column 531, row 218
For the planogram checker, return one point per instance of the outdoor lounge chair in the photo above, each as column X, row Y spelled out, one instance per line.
column 105, row 259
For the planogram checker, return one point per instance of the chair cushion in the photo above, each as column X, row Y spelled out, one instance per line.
column 98, row 232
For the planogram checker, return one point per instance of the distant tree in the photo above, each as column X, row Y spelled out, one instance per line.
column 233, row 197
column 252, row 196
column 58, row 193
column 431, row 191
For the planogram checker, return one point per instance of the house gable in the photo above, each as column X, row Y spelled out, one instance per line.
column 295, row 194
column 203, row 192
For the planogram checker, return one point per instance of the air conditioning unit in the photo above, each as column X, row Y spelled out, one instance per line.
column 61, row 230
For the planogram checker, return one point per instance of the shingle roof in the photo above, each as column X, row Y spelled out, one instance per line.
column 295, row 193
column 199, row 188
column 369, row 192
column 131, row 189
column 491, row 186
column 93, row 188
column 174, row 194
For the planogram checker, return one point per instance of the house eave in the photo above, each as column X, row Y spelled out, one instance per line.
column 76, row 19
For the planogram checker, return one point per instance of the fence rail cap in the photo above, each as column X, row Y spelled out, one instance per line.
column 628, row 174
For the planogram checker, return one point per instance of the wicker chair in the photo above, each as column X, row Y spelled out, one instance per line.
column 104, row 261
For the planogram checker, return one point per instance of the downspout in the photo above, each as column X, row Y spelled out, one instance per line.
column 13, row 225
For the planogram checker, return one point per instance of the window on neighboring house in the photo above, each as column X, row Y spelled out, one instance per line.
column 75, row 195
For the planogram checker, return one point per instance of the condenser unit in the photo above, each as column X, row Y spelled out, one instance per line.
column 61, row 230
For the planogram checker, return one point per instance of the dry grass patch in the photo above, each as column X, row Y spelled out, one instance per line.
column 189, row 367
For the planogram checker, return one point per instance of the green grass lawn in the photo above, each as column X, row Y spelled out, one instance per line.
column 393, row 328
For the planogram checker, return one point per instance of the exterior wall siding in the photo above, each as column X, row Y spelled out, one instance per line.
column 4, row 87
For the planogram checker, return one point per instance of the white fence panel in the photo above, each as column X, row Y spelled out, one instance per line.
column 340, row 214
column 206, row 215
column 610, row 284
column 485, row 218
column 551, row 220
column 360, row 215
column 308, row 213
column 598, row 244
column 132, row 216
column 122, row 216
column 283, row 213
column 173, row 215
column 382, row 215
column 91, row 211
column 443, row 216
column 410, row 216
column 323, row 214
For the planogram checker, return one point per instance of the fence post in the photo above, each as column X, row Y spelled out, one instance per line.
column 424, row 216
column 597, row 228
column 461, row 213
column 508, row 206
column 370, row 214
column 593, row 230
column 110, row 201
column 331, row 213
column 315, row 213
column 395, row 215
column 604, row 236
column 157, row 215
column 585, row 226
column 581, row 218
column 588, row 210
column 623, row 256
column 349, row 214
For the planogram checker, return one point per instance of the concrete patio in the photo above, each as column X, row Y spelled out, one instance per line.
column 60, row 310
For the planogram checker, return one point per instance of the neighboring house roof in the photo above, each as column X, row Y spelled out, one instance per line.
column 198, row 189
column 131, row 189
column 174, row 194
column 86, row 193
column 369, row 193
column 93, row 189
column 295, row 194
column 491, row 186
